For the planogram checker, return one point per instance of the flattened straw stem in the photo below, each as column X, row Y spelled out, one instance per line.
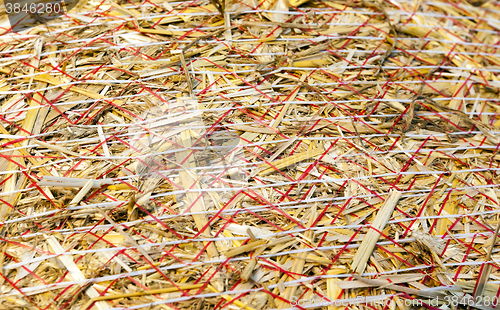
column 369, row 242
column 486, row 269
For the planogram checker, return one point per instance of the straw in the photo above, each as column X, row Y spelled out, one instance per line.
column 265, row 154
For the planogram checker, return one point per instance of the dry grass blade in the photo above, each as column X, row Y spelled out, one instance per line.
column 366, row 248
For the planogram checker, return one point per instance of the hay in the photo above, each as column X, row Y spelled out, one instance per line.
column 251, row 154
